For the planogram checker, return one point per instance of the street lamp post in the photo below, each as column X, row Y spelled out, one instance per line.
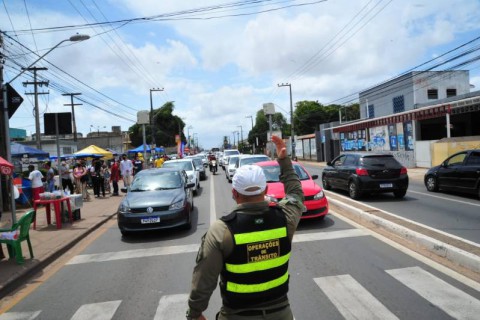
column 195, row 142
column 98, row 129
column 289, row 85
column 152, row 120
column 233, row 132
column 77, row 37
column 253, row 145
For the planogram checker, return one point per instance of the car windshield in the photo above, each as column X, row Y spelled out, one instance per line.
column 233, row 161
column 272, row 173
column 156, row 181
column 198, row 162
column 251, row 160
column 231, row 152
column 180, row 165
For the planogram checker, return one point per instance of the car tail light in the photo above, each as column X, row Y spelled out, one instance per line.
column 403, row 170
column 361, row 172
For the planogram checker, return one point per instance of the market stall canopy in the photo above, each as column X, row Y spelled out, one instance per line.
column 140, row 149
column 6, row 167
column 114, row 153
column 19, row 150
column 94, row 150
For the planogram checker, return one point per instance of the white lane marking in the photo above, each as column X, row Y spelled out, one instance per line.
column 407, row 220
column 172, row 307
column 446, row 297
column 443, row 198
column 449, row 272
column 352, row 300
column 20, row 315
column 158, row 251
column 131, row 254
column 304, row 237
column 97, row 311
column 213, row 213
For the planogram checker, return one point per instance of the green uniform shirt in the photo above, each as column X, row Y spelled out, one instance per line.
column 217, row 242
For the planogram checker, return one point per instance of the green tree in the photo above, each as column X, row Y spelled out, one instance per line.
column 167, row 125
column 309, row 115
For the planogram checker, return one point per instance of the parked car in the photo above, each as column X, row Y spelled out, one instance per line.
column 364, row 173
column 189, row 167
column 231, row 167
column 459, row 172
column 316, row 202
column 158, row 198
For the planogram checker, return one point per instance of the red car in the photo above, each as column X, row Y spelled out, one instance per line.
column 315, row 199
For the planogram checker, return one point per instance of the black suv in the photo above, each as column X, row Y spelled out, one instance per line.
column 362, row 173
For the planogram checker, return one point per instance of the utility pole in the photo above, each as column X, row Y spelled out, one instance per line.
column 289, row 85
column 73, row 112
column 35, row 84
column 253, row 145
column 241, row 132
column 152, row 120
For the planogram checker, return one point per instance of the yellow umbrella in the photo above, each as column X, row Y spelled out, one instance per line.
column 93, row 149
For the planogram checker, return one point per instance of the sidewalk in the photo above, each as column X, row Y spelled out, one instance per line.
column 48, row 243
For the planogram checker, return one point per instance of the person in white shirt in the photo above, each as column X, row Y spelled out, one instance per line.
column 126, row 170
column 37, row 182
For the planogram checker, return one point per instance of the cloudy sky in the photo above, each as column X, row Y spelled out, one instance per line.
column 221, row 61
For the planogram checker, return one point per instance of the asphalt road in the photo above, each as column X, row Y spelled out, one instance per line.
column 338, row 271
column 456, row 214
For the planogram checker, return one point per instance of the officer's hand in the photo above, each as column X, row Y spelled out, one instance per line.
column 281, row 147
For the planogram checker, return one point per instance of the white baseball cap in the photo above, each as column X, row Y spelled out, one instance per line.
column 249, row 180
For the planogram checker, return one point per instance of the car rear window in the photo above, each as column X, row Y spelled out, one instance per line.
column 272, row 173
column 380, row 161
column 251, row 160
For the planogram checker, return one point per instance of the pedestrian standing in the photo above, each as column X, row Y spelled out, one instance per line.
column 250, row 248
column 114, row 177
column 37, row 182
column 106, row 178
column 126, row 170
column 50, row 178
column 80, row 175
column 64, row 172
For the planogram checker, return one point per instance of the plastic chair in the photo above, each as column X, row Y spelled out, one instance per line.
column 21, row 229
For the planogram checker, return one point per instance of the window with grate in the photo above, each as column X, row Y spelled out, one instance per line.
column 451, row 93
column 398, row 104
column 432, row 94
column 371, row 111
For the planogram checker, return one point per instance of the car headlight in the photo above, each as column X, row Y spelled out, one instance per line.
column 319, row 196
column 124, row 207
column 176, row 205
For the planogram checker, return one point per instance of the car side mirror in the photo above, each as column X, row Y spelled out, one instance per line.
column 315, row 177
column 329, row 163
column 124, row 190
column 189, row 185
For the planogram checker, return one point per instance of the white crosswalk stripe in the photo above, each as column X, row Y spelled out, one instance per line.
column 172, row 307
column 446, row 297
column 189, row 248
column 20, row 315
column 97, row 311
column 352, row 300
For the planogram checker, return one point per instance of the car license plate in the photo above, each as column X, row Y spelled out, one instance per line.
column 150, row 220
column 386, row 185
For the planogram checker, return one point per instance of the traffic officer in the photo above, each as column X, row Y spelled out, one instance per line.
column 250, row 248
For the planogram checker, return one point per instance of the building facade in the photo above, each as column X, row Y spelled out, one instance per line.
column 402, row 114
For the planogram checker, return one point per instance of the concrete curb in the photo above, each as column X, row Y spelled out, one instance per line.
column 458, row 256
column 22, row 276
